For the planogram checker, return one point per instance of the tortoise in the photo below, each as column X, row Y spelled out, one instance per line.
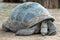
column 30, row 18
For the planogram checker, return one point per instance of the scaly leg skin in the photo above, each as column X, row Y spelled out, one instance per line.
column 4, row 28
column 27, row 32
column 44, row 28
column 51, row 27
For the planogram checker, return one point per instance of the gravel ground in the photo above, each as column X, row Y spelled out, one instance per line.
column 5, row 9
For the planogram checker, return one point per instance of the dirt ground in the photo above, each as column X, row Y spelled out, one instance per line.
column 5, row 9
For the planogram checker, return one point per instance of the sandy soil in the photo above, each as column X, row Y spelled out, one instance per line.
column 5, row 9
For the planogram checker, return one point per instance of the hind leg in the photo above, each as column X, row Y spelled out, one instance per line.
column 51, row 27
column 28, row 31
column 4, row 27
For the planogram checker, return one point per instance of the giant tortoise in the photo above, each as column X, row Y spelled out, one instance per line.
column 30, row 18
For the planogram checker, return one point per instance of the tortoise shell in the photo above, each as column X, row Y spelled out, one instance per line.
column 27, row 15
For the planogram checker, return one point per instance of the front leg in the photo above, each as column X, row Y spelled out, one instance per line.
column 51, row 27
column 44, row 28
